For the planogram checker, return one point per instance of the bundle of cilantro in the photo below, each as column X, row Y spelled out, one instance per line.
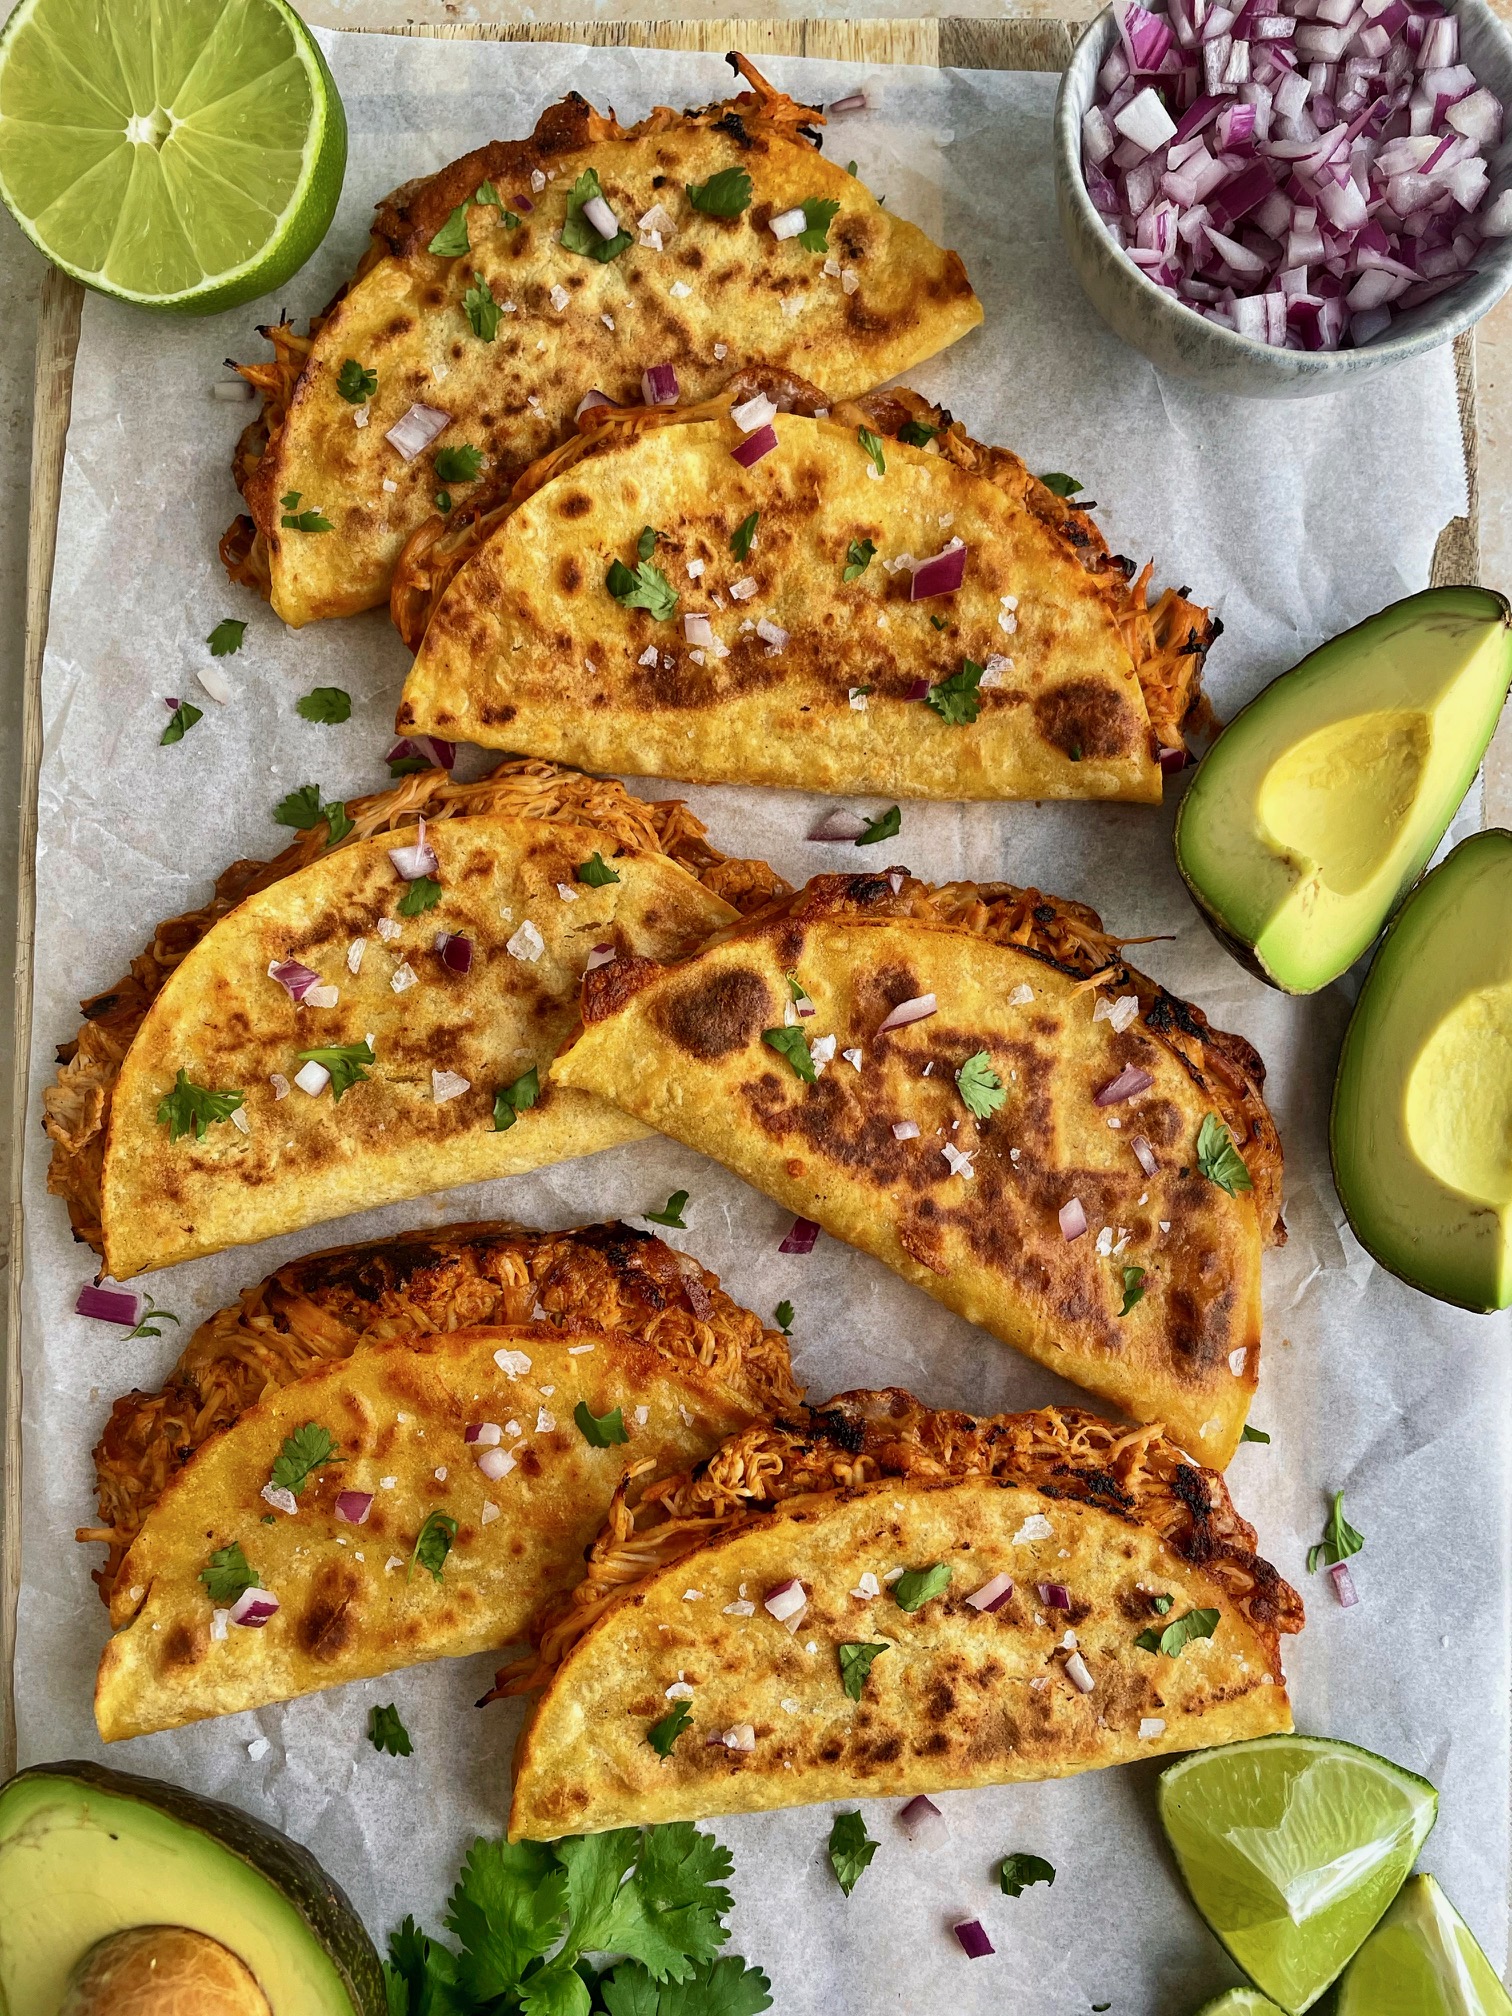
column 649, row 1904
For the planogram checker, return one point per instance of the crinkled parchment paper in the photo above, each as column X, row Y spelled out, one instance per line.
column 1293, row 521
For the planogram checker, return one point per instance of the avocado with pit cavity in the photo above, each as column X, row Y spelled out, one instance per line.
column 1320, row 804
column 1422, row 1109
column 126, row 1895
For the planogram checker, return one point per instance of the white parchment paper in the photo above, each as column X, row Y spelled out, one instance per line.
column 1293, row 521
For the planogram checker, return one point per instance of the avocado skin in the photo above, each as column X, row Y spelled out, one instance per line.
column 325, row 1907
column 1440, row 1292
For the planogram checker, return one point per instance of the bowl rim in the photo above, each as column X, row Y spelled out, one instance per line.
column 1458, row 309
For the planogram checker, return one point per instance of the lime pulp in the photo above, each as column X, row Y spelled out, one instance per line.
column 1240, row 2002
column 1422, row 1960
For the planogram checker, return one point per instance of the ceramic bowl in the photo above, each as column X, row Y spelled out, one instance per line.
column 1178, row 340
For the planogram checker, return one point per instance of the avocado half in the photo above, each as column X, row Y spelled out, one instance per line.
column 1318, row 806
column 87, row 1853
column 1421, row 1132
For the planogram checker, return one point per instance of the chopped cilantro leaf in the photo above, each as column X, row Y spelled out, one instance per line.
column 1063, row 486
column 873, row 447
column 671, row 1212
column 601, row 1431
column 337, row 821
column 782, row 1316
column 662, row 1735
column 1162, row 1605
column 193, row 1108
column 228, row 1575
column 851, row 1849
column 819, row 213
column 151, row 1317
column 1017, row 1872
column 937, row 622
column 385, row 1731
column 595, row 871
column 443, row 505
column 744, row 533
column 481, row 309
column 432, row 1544
column 578, row 235
column 301, row 809
column 356, row 384
column 1251, row 1434
column 856, row 1663
column 916, row 434
column 311, row 520
column 850, row 167
column 289, row 499
column 858, row 557
column 458, row 465
column 955, row 699
column 647, row 588
column 227, row 636
column 325, row 703
column 645, row 546
column 1219, row 1159
column 792, row 1044
column 344, row 1061
column 452, row 238
column 1133, row 1288
column 303, row 1451
column 723, row 195
column 424, row 893
column 913, row 1590
column 980, row 1086
column 886, row 826
column 1179, row 1633
column 180, row 721
column 1339, row 1541
column 510, row 1101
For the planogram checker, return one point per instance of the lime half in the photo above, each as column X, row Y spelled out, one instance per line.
column 1240, row 2002
column 1292, row 1847
column 183, row 154
column 1422, row 1960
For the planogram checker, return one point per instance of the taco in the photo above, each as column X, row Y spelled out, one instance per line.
column 873, row 1600
column 971, row 1084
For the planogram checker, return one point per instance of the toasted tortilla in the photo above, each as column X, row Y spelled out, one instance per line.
column 812, row 680
column 350, row 1605
column 717, row 292
column 201, row 1001
column 320, row 1309
column 1033, row 982
column 1105, row 1534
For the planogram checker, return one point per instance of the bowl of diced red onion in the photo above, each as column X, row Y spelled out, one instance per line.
column 1279, row 196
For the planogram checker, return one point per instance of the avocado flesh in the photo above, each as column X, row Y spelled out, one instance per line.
column 85, row 1853
column 1320, row 804
column 1422, row 1111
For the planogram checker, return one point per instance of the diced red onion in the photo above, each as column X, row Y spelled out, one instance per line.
column 905, row 1130
column 787, row 1602
column 918, row 1009
column 111, row 1305
column 412, row 862
column 1079, row 1674
column 354, row 1506
column 923, row 1822
column 895, row 880
column 496, row 1463
column 430, row 748
column 973, row 1939
column 800, row 1238
column 754, row 446
column 993, row 1594
column 589, row 400
column 601, row 955
column 839, row 825
column 940, row 576
column 1144, row 1154
column 919, row 690
column 1129, row 1083
column 296, row 980
column 788, row 223
column 1054, row 1595
column 485, row 1434
column 1344, row 1587
column 1073, row 1219
column 413, row 432
column 604, row 221
column 254, row 1607
column 754, row 413
column 457, row 953
column 659, row 385
column 1172, row 760
column 855, row 101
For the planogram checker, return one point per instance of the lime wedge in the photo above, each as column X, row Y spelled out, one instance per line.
column 182, row 154
column 1292, row 1847
column 1422, row 1960
column 1240, row 2002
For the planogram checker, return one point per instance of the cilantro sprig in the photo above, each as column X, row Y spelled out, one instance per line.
column 228, row 1575
column 433, row 1543
column 744, row 533
column 819, row 212
column 1219, row 1159
column 851, row 1849
column 663, row 1734
column 914, row 1589
column 510, row 1101
column 302, row 809
column 858, row 557
column 578, row 235
column 481, row 309
column 782, row 1316
column 643, row 587
column 1249, row 1433
column 227, row 636
column 180, row 721
column 1340, row 1539
column 955, row 699
column 671, row 1212
column 331, row 704
column 856, row 1662
column 1017, row 1872
column 1179, row 1633
column 886, row 826
column 1062, row 485
column 979, row 1086
column 873, row 447
column 386, row 1732
column 191, row 1108
column 916, row 434
column 355, row 382
column 600, row 1431
column 459, row 464
column 424, row 893
column 595, row 872
column 793, row 1044
column 151, row 1317
column 723, row 195
column 1133, row 1288
column 309, row 520
column 344, row 1061
column 302, row 1452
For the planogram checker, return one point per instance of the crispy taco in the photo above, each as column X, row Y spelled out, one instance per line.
column 874, row 1599
column 970, row 1083
column 499, row 292
column 418, row 1499
column 370, row 1017
column 318, row 1310
column 878, row 603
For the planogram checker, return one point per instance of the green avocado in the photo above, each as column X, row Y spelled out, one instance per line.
column 1422, row 1960
column 1319, row 805
column 1422, row 1108
column 86, row 1854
